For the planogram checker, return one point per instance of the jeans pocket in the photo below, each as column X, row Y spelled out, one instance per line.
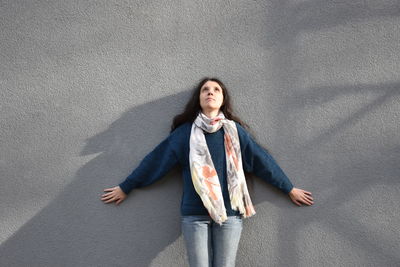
column 236, row 220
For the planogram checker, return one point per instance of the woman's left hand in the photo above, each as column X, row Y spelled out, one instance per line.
column 299, row 196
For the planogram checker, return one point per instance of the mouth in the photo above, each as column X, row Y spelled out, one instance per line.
column 209, row 99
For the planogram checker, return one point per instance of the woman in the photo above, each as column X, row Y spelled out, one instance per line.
column 214, row 151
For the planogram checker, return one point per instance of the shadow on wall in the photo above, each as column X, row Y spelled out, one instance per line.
column 78, row 229
column 318, row 96
column 354, row 173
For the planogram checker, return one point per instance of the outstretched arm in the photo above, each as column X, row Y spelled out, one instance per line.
column 152, row 168
column 258, row 161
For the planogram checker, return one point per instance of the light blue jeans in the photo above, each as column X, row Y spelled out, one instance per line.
column 209, row 244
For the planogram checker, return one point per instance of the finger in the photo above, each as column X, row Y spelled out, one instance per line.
column 308, row 197
column 310, row 202
column 107, row 197
column 309, row 193
column 111, row 200
column 306, row 201
column 107, row 194
column 303, row 198
column 296, row 202
column 108, row 189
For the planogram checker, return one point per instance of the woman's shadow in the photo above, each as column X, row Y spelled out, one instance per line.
column 79, row 229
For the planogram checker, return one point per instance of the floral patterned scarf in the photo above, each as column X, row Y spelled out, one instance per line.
column 204, row 175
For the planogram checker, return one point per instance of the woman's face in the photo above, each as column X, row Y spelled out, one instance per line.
column 211, row 96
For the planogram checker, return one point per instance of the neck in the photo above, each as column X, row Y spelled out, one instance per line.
column 211, row 113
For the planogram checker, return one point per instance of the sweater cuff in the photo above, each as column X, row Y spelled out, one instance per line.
column 127, row 186
column 287, row 189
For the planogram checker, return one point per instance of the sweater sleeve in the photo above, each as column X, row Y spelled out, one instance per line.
column 152, row 168
column 257, row 160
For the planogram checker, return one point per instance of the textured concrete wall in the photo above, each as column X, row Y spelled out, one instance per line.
column 88, row 88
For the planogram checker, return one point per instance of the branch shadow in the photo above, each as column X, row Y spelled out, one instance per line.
column 351, row 175
column 318, row 96
column 285, row 21
column 331, row 209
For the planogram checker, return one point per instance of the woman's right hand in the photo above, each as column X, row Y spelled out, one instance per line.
column 299, row 196
column 115, row 194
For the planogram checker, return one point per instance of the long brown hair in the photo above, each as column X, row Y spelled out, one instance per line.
column 193, row 106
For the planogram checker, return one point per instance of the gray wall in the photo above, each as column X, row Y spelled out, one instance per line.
column 88, row 88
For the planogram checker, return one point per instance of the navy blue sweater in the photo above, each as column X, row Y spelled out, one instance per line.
column 175, row 150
